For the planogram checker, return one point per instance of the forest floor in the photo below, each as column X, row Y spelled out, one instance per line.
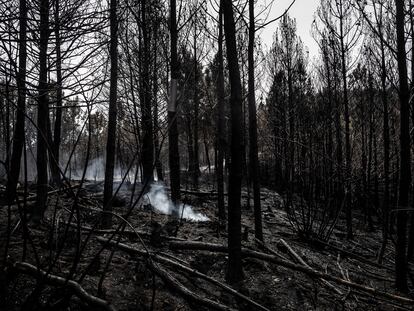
column 132, row 282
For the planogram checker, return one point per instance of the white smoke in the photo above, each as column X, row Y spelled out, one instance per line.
column 160, row 201
column 96, row 171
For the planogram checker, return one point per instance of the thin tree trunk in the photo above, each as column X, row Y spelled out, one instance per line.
column 173, row 151
column 42, row 114
column 234, row 269
column 19, row 135
column 146, row 111
column 348, row 164
column 253, row 156
column 410, row 249
column 339, row 188
column 330, row 134
column 190, row 144
column 158, row 164
column 196, row 165
column 54, row 163
column 386, row 147
column 221, row 136
column 112, row 119
column 206, row 150
column 405, row 166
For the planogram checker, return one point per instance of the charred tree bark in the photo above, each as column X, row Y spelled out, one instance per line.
column 19, row 135
column 235, row 270
column 253, row 156
column 405, row 166
column 42, row 114
column 221, row 136
column 112, row 119
column 339, row 188
column 386, row 147
column 196, row 164
column 173, row 152
column 54, row 163
column 348, row 164
column 146, row 110
column 410, row 249
column 190, row 143
column 158, row 164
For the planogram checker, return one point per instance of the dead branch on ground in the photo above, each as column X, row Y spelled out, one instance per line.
column 28, row 269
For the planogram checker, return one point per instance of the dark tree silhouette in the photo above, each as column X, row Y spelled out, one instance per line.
column 19, row 130
column 234, row 268
column 112, row 117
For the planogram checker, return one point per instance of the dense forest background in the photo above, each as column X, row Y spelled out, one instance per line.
column 140, row 105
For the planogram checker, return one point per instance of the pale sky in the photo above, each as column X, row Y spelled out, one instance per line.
column 303, row 11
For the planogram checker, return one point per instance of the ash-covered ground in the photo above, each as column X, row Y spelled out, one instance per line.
column 129, row 281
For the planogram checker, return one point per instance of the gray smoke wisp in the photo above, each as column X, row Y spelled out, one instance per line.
column 158, row 198
column 96, row 171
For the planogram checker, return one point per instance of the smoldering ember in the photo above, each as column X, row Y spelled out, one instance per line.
column 206, row 155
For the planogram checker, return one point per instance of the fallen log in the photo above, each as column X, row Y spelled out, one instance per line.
column 184, row 291
column 299, row 259
column 190, row 245
column 352, row 255
column 293, row 254
column 269, row 249
column 207, row 193
column 28, row 269
column 195, row 245
column 124, row 232
column 34, row 197
column 132, row 250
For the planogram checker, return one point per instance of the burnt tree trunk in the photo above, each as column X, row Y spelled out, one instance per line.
column 253, row 156
column 234, row 269
column 42, row 114
column 221, row 136
column 112, row 119
column 405, row 166
column 173, row 152
column 158, row 164
column 386, row 148
column 146, row 110
column 348, row 164
column 54, row 163
column 196, row 164
column 410, row 249
column 19, row 134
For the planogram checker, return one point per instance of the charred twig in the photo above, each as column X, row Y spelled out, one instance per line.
column 273, row 252
column 353, row 255
column 124, row 232
column 28, row 269
column 299, row 259
column 184, row 291
column 182, row 267
column 190, row 245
